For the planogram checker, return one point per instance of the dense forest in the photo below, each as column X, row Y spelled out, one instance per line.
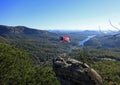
column 16, row 68
column 26, row 55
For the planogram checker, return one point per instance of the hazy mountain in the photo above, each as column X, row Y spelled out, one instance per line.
column 78, row 32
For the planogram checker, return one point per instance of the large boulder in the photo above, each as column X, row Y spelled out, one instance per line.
column 73, row 72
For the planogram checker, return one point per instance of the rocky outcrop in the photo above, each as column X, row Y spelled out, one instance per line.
column 73, row 72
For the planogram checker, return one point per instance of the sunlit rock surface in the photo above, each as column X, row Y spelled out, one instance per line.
column 73, row 72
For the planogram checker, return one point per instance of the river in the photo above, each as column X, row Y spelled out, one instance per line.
column 81, row 43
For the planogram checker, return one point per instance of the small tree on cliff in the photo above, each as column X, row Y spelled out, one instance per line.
column 84, row 56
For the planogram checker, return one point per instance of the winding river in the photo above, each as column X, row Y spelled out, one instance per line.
column 81, row 43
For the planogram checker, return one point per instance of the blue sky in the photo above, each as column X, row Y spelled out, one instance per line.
column 60, row 14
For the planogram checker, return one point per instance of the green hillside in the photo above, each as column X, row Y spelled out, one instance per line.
column 3, row 40
column 41, row 45
column 104, row 41
column 16, row 69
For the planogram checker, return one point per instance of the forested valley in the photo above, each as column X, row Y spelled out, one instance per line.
column 26, row 55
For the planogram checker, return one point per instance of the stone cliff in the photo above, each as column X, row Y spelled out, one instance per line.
column 73, row 72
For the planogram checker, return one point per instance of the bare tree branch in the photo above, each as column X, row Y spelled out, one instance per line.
column 112, row 34
column 114, row 26
column 102, row 32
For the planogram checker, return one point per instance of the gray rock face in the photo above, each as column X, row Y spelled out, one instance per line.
column 73, row 72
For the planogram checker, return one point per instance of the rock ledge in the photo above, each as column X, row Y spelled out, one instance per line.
column 73, row 72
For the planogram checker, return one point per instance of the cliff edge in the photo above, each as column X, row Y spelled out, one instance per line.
column 72, row 72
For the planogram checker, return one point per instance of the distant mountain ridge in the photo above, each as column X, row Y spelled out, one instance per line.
column 80, row 32
column 17, row 29
column 22, row 32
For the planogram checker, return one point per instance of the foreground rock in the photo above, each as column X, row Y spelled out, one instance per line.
column 73, row 72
